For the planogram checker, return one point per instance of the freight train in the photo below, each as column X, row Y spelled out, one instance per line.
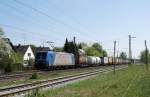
column 52, row 59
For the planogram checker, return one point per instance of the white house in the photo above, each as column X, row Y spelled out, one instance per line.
column 27, row 52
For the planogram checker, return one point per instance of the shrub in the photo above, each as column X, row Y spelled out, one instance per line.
column 31, row 62
column 6, row 64
column 35, row 93
column 8, row 68
column 34, row 76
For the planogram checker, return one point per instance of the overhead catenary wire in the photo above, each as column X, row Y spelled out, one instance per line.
column 50, row 17
column 43, row 26
column 25, row 31
column 67, row 15
column 33, row 22
column 85, row 36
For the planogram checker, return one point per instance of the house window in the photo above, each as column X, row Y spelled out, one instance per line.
column 29, row 54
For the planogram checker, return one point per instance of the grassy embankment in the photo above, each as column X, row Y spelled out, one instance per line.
column 131, row 82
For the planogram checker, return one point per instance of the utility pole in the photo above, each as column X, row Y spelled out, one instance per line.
column 146, row 55
column 114, row 57
column 130, row 51
column 74, row 39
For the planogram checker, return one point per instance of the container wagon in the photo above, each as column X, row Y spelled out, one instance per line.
column 110, row 60
column 104, row 60
column 82, row 58
column 91, row 60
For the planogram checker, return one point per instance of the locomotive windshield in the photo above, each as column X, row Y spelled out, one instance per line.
column 41, row 55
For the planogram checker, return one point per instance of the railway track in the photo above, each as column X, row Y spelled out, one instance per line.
column 23, row 88
column 28, row 74
column 18, row 75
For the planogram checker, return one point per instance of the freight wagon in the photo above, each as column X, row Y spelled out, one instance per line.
column 110, row 60
column 93, row 61
column 104, row 60
column 82, row 58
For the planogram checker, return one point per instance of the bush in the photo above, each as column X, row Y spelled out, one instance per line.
column 17, row 67
column 6, row 64
column 8, row 68
column 35, row 93
column 34, row 76
column 31, row 62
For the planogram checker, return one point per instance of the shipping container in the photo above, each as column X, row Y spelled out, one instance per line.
column 91, row 60
column 104, row 60
column 110, row 60
column 98, row 60
column 82, row 57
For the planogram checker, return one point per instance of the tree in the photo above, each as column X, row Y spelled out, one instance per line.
column 143, row 56
column 82, row 45
column 66, row 46
column 1, row 32
column 58, row 49
column 6, row 64
column 91, row 51
column 71, row 47
column 104, row 53
column 98, row 47
column 94, row 50
column 123, row 55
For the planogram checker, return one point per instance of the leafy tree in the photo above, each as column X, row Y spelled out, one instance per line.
column 93, row 52
column 143, row 56
column 66, row 46
column 123, row 55
column 71, row 47
column 17, row 57
column 104, row 53
column 98, row 47
column 1, row 32
column 6, row 64
column 82, row 45
column 58, row 49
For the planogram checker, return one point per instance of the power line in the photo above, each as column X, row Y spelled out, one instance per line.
column 50, row 17
column 37, row 22
column 25, row 31
column 73, row 18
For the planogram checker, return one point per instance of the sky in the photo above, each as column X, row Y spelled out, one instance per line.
column 103, row 21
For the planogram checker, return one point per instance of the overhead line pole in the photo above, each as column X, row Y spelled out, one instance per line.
column 130, row 53
column 130, row 50
column 146, row 55
column 114, row 57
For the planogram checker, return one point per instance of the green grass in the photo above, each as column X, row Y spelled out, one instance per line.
column 131, row 82
column 49, row 75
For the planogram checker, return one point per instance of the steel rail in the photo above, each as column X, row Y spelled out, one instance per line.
column 5, row 92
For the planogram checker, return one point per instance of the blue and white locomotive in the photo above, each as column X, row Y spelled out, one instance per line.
column 53, row 59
